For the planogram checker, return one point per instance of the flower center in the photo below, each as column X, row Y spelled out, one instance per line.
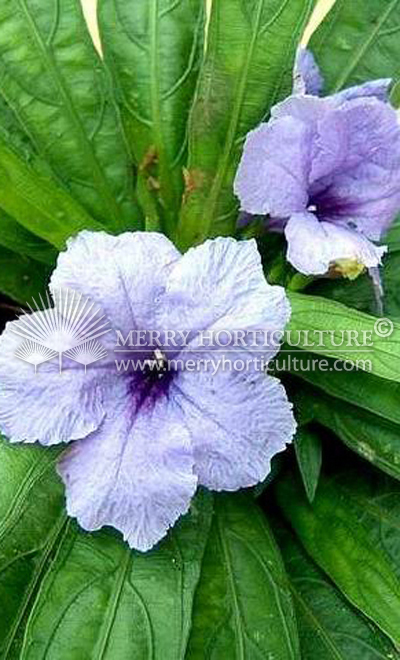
column 151, row 381
column 327, row 206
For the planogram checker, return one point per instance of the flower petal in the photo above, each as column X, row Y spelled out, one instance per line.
column 307, row 75
column 327, row 144
column 378, row 89
column 48, row 407
column 220, row 286
column 308, row 109
column 122, row 274
column 363, row 187
column 135, row 473
column 238, row 421
column 273, row 173
column 313, row 246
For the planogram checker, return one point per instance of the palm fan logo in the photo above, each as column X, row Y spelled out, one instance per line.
column 74, row 322
column 87, row 353
column 34, row 353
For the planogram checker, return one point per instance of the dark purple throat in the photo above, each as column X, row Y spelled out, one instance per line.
column 328, row 206
column 151, row 383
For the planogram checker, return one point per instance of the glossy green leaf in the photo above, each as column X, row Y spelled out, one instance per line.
column 243, row 609
column 329, row 627
column 335, row 537
column 373, row 438
column 18, row 239
column 392, row 237
column 32, row 523
column 99, row 599
column 358, row 41
column 308, row 450
column 13, row 134
column 154, row 50
column 379, row 396
column 395, row 95
column 54, row 83
column 33, row 196
column 374, row 498
column 36, row 201
column 247, row 68
column 391, row 278
column 322, row 327
column 22, row 278
column 357, row 294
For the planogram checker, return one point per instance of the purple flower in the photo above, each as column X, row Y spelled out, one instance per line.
column 145, row 440
column 327, row 172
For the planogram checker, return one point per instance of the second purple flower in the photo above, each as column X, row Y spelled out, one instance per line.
column 326, row 172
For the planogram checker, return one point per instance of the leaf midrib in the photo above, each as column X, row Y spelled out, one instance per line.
column 230, row 138
column 239, row 640
column 56, row 536
column 32, row 476
column 109, row 618
column 212, row 202
column 319, row 628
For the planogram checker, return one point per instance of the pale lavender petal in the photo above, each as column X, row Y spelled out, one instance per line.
column 326, row 131
column 273, row 173
column 123, row 274
column 356, row 166
column 135, row 473
column 314, row 246
column 48, row 407
column 307, row 75
column 220, row 286
column 378, row 89
column 237, row 421
column 307, row 109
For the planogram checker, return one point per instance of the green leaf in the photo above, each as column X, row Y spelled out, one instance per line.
column 22, row 278
column 358, row 41
column 392, row 237
column 322, row 326
column 31, row 524
column 99, row 599
column 357, row 294
column 36, row 201
column 243, row 609
column 16, row 238
column 308, row 450
column 247, row 69
column 395, row 95
column 154, row 50
column 376, row 440
column 338, row 541
column 379, row 396
column 329, row 627
column 33, row 196
column 56, row 86
column 390, row 278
